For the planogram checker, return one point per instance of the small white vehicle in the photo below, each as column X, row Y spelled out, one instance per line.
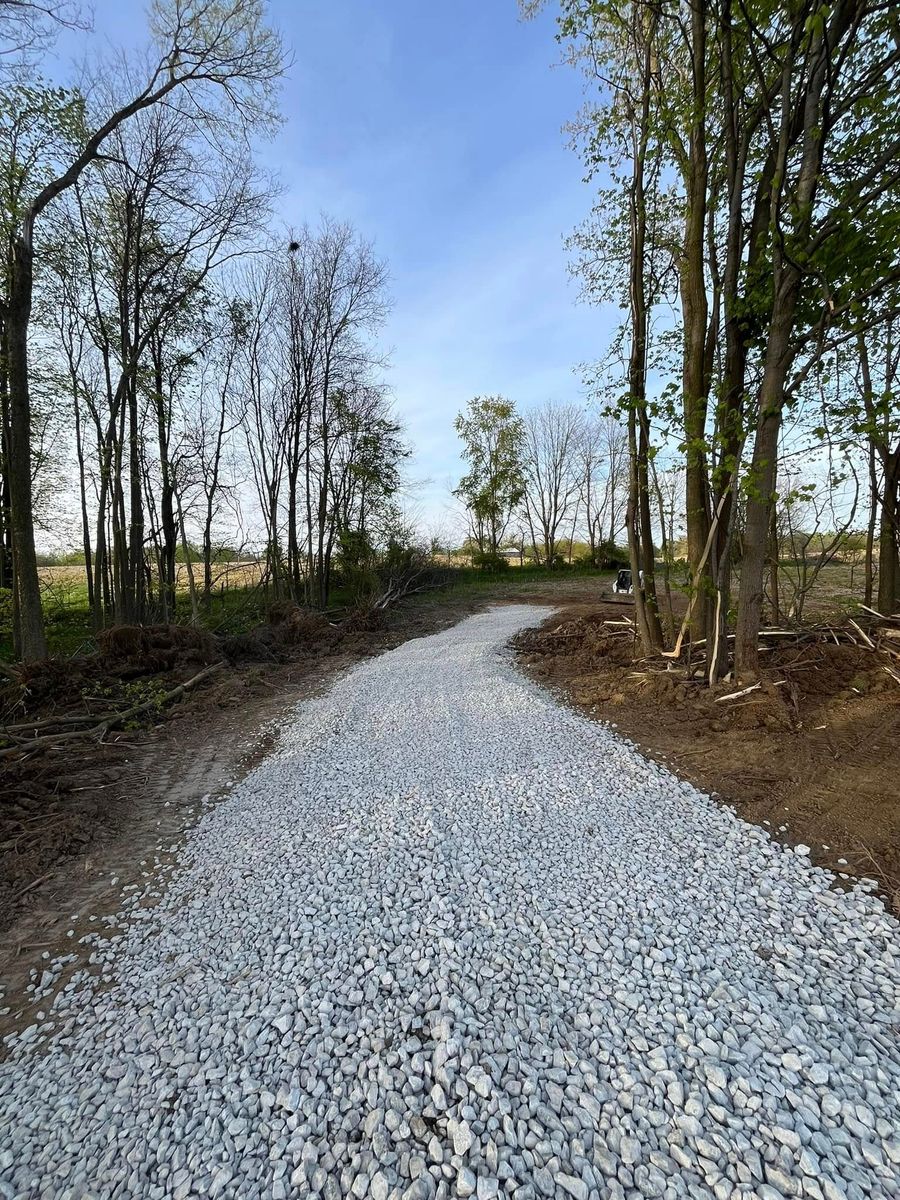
column 624, row 584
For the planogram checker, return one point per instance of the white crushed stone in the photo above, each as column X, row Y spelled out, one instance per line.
column 455, row 940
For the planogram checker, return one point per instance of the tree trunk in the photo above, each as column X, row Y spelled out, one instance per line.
column 82, row 495
column 634, row 544
column 7, row 579
column 762, row 479
column 888, row 564
column 307, row 482
column 32, row 642
column 6, row 571
column 870, row 527
column 774, row 562
column 168, row 520
column 695, row 313
column 293, row 548
column 640, row 526
column 118, row 527
column 135, row 510
column 666, row 551
column 188, row 566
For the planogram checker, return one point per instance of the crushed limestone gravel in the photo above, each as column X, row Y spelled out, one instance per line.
column 452, row 939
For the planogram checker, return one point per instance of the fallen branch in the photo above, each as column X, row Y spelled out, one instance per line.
column 31, row 886
column 735, row 695
column 865, row 637
column 51, row 722
column 107, row 721
column 875, row 613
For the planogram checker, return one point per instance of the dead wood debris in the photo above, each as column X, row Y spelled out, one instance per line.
column 97, row 727
column 871, row 630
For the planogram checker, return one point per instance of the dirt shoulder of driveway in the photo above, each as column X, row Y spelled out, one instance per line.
column 813, row 755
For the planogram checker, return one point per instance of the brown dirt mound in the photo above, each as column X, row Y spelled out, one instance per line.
column 48, row 685
column 306, row 628
column 303, row 630
column 281, row 611
column 365, row 620
column 138, row 649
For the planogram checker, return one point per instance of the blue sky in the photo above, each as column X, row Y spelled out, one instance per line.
column 437, row 129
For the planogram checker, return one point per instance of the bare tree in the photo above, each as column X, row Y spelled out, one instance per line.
column 26, row 26
column 335, row 302
column 212, row 424
column 550, row 461
column 603, row 470
column 262, row 403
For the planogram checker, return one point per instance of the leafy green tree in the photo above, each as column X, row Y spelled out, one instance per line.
column 769, row 132
column 492, row 435
column 39, row 124
column 832, row 144
column 215, row 60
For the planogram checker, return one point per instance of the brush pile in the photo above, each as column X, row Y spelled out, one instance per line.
column 137, row 672
column 617, row 637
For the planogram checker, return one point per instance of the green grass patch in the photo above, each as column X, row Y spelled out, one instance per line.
column 474, row 581
column 70, row 630
column 235, row 610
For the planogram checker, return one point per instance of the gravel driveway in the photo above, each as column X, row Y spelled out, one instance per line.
column 453, row 939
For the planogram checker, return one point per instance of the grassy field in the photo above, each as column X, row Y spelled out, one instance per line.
column 238, row 602
column 240, row 599
column 68, row 584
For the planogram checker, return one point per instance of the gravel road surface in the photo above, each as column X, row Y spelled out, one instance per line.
column 452, row 939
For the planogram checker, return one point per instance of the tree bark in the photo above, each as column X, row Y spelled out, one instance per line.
column 695, row 314
column 888, row 563
column 32, row 642
column 869, row 560
column 82, row 496
column 7, row 578
column 763, row 476
column 640, row 525
column 774, row 563
column 168, row 520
